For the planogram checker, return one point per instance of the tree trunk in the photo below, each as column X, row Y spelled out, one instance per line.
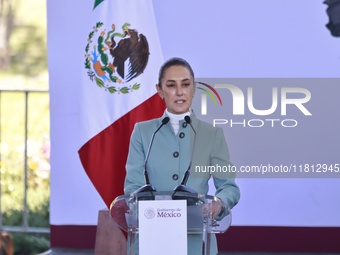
column 7, row 11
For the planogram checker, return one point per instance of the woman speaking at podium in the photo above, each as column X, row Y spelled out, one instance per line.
column 182, row 141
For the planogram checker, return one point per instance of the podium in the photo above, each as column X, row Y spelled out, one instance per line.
column 126, row 211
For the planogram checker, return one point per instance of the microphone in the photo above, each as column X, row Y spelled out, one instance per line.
column 148, row 187
column 182, row 187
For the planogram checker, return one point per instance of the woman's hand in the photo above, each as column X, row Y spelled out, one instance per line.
column 215, row 208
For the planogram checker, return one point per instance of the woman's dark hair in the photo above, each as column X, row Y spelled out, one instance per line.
column 174, row 62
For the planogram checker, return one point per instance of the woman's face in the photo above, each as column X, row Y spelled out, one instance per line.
column 177, row 89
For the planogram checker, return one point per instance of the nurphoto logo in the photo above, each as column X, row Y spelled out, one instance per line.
column 243, row 101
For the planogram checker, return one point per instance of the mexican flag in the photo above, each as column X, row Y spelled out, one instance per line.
column 122, row 56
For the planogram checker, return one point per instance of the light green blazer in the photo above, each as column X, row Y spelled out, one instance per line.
column 170, row 155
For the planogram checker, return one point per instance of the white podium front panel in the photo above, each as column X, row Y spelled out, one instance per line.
column 162, row 227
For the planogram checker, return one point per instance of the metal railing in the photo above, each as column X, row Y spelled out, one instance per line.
column 24, row 227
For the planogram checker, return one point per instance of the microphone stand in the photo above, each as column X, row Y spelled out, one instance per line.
column 148, row 187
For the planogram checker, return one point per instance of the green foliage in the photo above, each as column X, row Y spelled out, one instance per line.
column 112, row 89
column 12, row 167
column 124, row 90
column 36, row 218
column 25, row 244
column 27, row 41
column 87, row 64
column 136, row 86
column 28, row 70
column 28, row 51
column 99, row 82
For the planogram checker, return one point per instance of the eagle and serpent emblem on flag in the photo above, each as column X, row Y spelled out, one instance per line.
column 114, row 58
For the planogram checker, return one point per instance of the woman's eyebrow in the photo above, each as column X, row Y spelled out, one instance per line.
column 185, row 79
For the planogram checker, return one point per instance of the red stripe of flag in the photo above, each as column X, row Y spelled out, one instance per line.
column 104, row 156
